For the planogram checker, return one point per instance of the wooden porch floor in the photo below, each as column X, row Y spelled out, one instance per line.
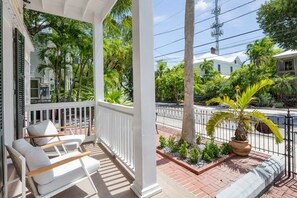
column 112, row 181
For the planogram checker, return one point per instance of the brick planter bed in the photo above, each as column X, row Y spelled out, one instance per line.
column 193, row 169
column 212, row 180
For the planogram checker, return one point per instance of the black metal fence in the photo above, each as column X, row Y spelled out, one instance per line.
column 262, row 140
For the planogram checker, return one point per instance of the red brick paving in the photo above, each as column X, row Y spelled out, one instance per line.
column 209, row 183
column 286, row 187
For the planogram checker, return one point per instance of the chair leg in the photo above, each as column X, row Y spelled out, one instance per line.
column 88, row 175
column 63, row 146
column 57, row 150
column 23, row 176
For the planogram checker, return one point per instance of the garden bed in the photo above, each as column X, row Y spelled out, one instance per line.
column 194, row 169
column 197, row 157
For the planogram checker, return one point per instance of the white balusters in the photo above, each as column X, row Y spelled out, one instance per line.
column 117, row 131
column 61, row 114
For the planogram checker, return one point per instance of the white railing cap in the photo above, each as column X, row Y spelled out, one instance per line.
column 117, row 107
column 62, row 105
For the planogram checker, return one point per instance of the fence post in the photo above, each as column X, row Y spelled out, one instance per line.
column 288, row 147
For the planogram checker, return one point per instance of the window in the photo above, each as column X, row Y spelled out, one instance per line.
column 231, row 69
column 289, row 65
column 219, row 67
column 235, row 61
column 34, row 88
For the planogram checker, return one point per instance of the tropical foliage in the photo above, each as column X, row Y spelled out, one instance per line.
column 261, row 65
column 66, row 46
column 170, row 83
column 278, row 19
column 236, row 113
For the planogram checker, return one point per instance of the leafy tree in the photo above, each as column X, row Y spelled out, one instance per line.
column 284, row 86
column 73, row 45
column 262, row 52
column 188, row 126
column 278, row 19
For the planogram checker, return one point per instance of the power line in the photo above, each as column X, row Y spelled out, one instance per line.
column 203, row 20
column 211, row 57
column 230, row 45
column 180, row 39
column 227, row 38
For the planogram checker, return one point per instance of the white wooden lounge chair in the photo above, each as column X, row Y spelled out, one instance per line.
column 46, row 177
column 45, row 132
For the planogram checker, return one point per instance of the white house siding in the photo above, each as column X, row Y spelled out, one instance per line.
column 8, row 78
column 225, row 66
column 10, row 22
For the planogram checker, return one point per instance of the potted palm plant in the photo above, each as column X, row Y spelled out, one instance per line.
column 236, row 113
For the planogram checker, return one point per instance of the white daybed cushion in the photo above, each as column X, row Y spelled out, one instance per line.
column 69, row 173
column 21, row 145
column 72, row 142
column 45, row 127
column 37, row 158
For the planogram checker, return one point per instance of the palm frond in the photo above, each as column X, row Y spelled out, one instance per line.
column 247, row 124
column 225, row 101
column 217, row 119
column 273, row 127
column 247, row 96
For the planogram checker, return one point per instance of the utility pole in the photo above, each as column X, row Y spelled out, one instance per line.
column 217, row 32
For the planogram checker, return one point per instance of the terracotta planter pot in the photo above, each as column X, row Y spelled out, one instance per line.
column 241, row 148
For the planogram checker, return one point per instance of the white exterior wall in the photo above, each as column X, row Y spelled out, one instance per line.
column 11, row 19
column 225, row 66
column 8, row 78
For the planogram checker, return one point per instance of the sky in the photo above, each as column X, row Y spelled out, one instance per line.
column 169, row 15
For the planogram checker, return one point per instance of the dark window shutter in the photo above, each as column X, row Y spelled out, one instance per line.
column 1, row 106
column 20, row 82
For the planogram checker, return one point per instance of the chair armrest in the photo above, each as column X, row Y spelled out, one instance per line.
column 56, row 164
column 43, row 136
column 67, row 127
column 52, row 145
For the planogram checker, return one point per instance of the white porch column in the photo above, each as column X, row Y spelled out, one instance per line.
column 145, row 184
column 98, row 70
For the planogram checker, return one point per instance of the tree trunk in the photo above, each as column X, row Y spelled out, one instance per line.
column 188, row 128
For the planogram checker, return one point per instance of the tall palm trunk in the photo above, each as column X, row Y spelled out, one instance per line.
column 188, row 128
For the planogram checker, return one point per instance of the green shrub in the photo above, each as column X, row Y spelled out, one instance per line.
column 172, row 144
column 207, row 158
column 214, row 149
column 278, row 104
column 183, row 150
column 226, row 148
column 198, row 139
column 265, row 100
column 210, row 151
column 195, row 155
column 162, row 141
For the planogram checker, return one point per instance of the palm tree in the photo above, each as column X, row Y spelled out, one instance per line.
column 206, row 66
column 284, row 86
column 261, row 51
column 236, row 113
column 188, row 127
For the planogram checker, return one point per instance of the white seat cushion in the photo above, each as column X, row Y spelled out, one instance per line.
column 21, row 145
column 68, row 173
column 72, row 142
column 45, row 127
column 37, row 158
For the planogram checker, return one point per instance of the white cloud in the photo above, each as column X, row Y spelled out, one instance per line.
column 159, row 19
column 202, row 5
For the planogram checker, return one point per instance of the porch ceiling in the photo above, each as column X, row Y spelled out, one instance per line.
column 83, row 10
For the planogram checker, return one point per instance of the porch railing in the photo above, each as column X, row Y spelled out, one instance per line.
column 79, row 114
column 116, row 131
